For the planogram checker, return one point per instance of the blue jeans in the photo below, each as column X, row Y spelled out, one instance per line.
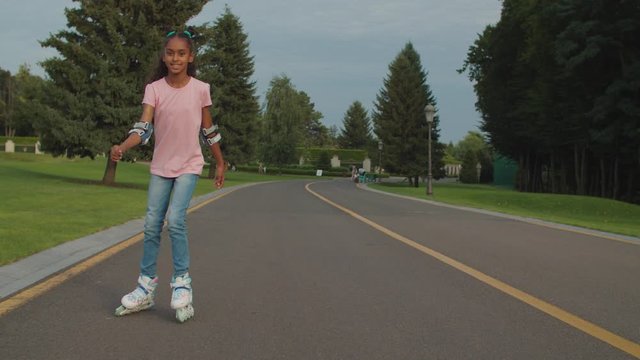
column 160, row 199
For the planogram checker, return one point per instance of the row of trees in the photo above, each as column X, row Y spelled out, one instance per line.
column 92, row 94
column 558, row 86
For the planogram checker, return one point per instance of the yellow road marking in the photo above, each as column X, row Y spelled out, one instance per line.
column 592, row 329
column 19, row 299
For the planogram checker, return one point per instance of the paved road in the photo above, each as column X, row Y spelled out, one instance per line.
column 280, row 274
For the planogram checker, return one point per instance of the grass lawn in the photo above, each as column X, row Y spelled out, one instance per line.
column 589, row 212
column 46, row 201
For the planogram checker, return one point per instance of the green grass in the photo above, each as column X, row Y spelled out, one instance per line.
column 589, row 212
column 46, row 201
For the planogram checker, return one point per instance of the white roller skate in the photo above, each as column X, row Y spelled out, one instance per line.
column 182, row 298
column 139, row 299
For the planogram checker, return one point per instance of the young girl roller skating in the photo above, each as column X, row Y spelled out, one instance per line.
column 175, row 108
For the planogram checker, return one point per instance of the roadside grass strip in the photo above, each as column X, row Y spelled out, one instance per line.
column 15, row 301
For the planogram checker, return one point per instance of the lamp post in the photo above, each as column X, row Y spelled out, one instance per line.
column 429, row 112
column 379, row 160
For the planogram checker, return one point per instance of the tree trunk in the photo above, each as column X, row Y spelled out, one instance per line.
column 109, row 177
column 416, row 180
column 603, row 179
column 616, row 178
column 552, row 173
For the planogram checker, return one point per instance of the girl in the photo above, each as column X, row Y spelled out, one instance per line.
column 176, row 105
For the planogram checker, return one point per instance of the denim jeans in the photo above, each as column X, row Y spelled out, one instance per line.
column 160, row 200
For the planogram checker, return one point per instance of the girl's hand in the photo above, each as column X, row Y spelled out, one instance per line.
column 116, row 153
column 219, row 180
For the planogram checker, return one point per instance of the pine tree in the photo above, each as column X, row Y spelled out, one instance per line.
column 356, row 133
column 7, row 97
column 399, row 119
column 105, row 57
column 225, row 63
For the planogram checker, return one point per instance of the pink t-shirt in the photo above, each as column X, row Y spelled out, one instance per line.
column 177, row 120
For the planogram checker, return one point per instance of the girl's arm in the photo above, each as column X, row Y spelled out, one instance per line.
column 134, row 139
column 207, row 122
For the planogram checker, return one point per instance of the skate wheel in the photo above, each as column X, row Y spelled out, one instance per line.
column 185, row 313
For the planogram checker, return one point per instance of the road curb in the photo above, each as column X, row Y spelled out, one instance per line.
column 26, row 272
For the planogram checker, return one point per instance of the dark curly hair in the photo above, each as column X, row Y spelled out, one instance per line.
column 161, row 69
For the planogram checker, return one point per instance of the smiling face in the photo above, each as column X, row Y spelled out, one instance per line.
column 177, row 56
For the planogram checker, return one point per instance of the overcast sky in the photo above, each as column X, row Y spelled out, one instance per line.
column 337, row 51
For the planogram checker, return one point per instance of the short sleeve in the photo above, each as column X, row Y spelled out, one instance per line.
column 206, row 95
column 149, row 95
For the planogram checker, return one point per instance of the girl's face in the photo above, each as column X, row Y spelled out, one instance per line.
column 177, row 55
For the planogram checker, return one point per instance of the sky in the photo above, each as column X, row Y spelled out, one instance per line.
column 337, row 51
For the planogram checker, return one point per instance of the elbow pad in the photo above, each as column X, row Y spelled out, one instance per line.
column 144, row 130
column 211, row 135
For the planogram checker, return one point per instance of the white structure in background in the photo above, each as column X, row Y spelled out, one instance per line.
column 9, row 146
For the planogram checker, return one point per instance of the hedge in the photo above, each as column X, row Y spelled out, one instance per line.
column 20, row 140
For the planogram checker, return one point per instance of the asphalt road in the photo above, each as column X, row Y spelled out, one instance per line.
column 279, row 273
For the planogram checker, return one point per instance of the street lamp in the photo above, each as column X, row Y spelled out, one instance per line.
column 429, row 112
column 379, row 160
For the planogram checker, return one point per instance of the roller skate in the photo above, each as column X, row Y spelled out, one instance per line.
column 182, row 298
column 139, row 299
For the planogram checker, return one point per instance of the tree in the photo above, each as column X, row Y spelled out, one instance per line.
column 314, row 133
column 571, row 130
column 283, row 118
column 105, row 57
column 224, row 62
column 356, row 132
column 31, row 92
column 469, row 173
column 7, row 96
column 476, row 144
column 399, row 119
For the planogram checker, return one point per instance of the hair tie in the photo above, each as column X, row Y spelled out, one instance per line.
column 186, row 32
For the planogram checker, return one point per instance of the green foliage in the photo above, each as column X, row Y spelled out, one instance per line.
column 19, row 140
column 475, row 143
column 356, row 132
column 345, row 155
column 468, row 173
column 225, row 62
column 106, row 54
column 589, row 212
column 571, row 129
column 324, row 161
column 7, row 102
column 286, row 122
column 399, row 118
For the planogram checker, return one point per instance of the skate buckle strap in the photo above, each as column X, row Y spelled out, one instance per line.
column 146, row 292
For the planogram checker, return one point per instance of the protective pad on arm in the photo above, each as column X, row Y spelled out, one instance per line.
column 144, row 130
column 210, row 135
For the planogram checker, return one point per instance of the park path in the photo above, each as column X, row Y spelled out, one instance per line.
column 292, row 270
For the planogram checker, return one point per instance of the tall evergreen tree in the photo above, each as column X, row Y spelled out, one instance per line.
column 105, row 57
column 356, row 132
column 283, row 122
column 7, row 100
column 225, row 62
column 399, row 119
column 314, row 133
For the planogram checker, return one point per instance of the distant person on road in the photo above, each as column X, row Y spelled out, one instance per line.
column 176, row 108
